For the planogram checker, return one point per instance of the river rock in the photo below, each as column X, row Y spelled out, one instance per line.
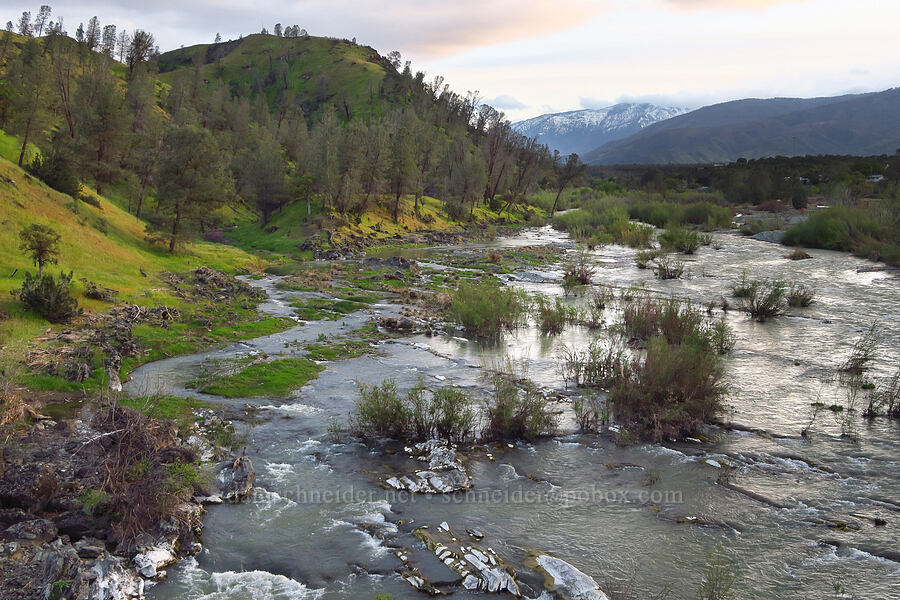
column 34, row 530
column 149, row 562
column 565, row 580
column 235, row 479
column 480, row 568
column 112, row 581
column 445, row 473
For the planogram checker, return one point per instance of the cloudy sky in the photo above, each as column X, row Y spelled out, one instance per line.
column 529, row 57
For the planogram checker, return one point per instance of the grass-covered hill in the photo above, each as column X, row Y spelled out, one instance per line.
column 314, row 69
column 100, row 242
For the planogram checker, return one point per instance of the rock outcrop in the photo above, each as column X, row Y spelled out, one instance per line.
column 445, row 473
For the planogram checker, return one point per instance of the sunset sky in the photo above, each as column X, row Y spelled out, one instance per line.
column 529, row 57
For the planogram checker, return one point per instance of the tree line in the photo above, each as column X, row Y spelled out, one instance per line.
column 178, row 153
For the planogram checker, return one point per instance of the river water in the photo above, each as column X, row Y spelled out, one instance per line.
column 642, row 518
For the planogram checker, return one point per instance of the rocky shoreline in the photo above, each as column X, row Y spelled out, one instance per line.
column 57, row 542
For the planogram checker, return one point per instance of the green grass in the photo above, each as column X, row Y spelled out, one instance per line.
column 113, row 259
column 317, row 309
column 169, row 408
column 870, row 232
column 336, row 351
column 277, row 378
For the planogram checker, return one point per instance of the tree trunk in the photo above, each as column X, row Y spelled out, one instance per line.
column 25, row 138
column 174, row 230
column 555, row 202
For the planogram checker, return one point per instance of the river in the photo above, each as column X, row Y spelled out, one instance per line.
column 640, row 517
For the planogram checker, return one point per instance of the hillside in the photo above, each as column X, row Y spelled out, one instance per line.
column 313, row 69
column 581, row 131
column 863, row 124
column 101, row 243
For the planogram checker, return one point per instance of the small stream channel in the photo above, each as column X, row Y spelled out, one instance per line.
column 643, row 516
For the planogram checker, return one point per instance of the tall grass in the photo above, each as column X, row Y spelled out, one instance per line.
column 517, row 414
column 486, row 308
column 871, row 232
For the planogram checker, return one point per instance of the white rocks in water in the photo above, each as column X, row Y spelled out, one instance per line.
column 445, row 473
column 568, row 581
column 480, row 568
column 112, row 581
column 713, row 463
column 149, row 562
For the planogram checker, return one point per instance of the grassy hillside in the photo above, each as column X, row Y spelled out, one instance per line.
column 102, row 244
column 314, row 69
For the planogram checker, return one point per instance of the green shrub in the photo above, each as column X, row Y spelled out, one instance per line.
column 598, row 365
column 381, row 411
column 446, row 413
column 668, row 268
column 744, row 287
column 864, row 350
column 514, row 414
column 670, row 392
column 553, row 317
column 766, row 299
column 871, row 232
column 486, row 308
column 800, row 295
column 642, row 259
column 56, row 171
column 721, row 337
column 579, row 269
column 591, row 413
column 50, row 297
column 678, row 239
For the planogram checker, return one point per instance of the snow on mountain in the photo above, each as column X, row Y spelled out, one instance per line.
column 584, row 130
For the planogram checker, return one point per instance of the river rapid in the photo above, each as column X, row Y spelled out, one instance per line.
column 642, row 518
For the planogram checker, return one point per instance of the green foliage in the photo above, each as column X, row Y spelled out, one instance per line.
column 93, row 501
column 552, row 317
column 445, row 413
column 598, row 365
column 50, row 297
column 719, row 580
column 668, row 268
column 671, row 391
column 764, row 299
column 56, row 170
column 41, row 243
column 591, row 413
column 517, row 414
column 336, row 351
column 277, row 378
column 486, row 308
column 678, row 239
column 864, row 351
column 871, row 232
column 661, row 214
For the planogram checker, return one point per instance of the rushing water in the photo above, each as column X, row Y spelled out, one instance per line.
column 620, row 514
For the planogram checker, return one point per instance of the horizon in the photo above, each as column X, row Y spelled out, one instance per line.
column 678, row 53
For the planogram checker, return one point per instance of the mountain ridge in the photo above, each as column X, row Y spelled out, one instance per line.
column 854, row 124
column 585, row 129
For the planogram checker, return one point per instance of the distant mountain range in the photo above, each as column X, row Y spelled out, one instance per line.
column 582, row 131
column 860, row 124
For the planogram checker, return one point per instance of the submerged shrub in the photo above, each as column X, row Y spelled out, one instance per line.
column 517, row 414
column 670, row 392
column 642, row 259
column 486, row 308
column 598, row 365
column 445, row 413
column 591, row 413
column 553, row 317
column 579, row 269
column 381, row 411
column 50, row 297
column 678, row 239
column 864, row 351
column 800, row 295
column 766, row 299
column 668, row 268
column 744, row 287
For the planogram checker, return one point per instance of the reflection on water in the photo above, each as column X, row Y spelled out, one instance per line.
column 645, row 516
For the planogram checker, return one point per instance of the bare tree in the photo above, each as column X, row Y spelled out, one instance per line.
column 141, row 49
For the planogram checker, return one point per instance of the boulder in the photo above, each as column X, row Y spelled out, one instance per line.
column 150, row 561
column 564, row 579
column 35, row 530
column 112, row 581
column 235, row 479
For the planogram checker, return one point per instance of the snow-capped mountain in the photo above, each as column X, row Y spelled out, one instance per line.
column 584, row 130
